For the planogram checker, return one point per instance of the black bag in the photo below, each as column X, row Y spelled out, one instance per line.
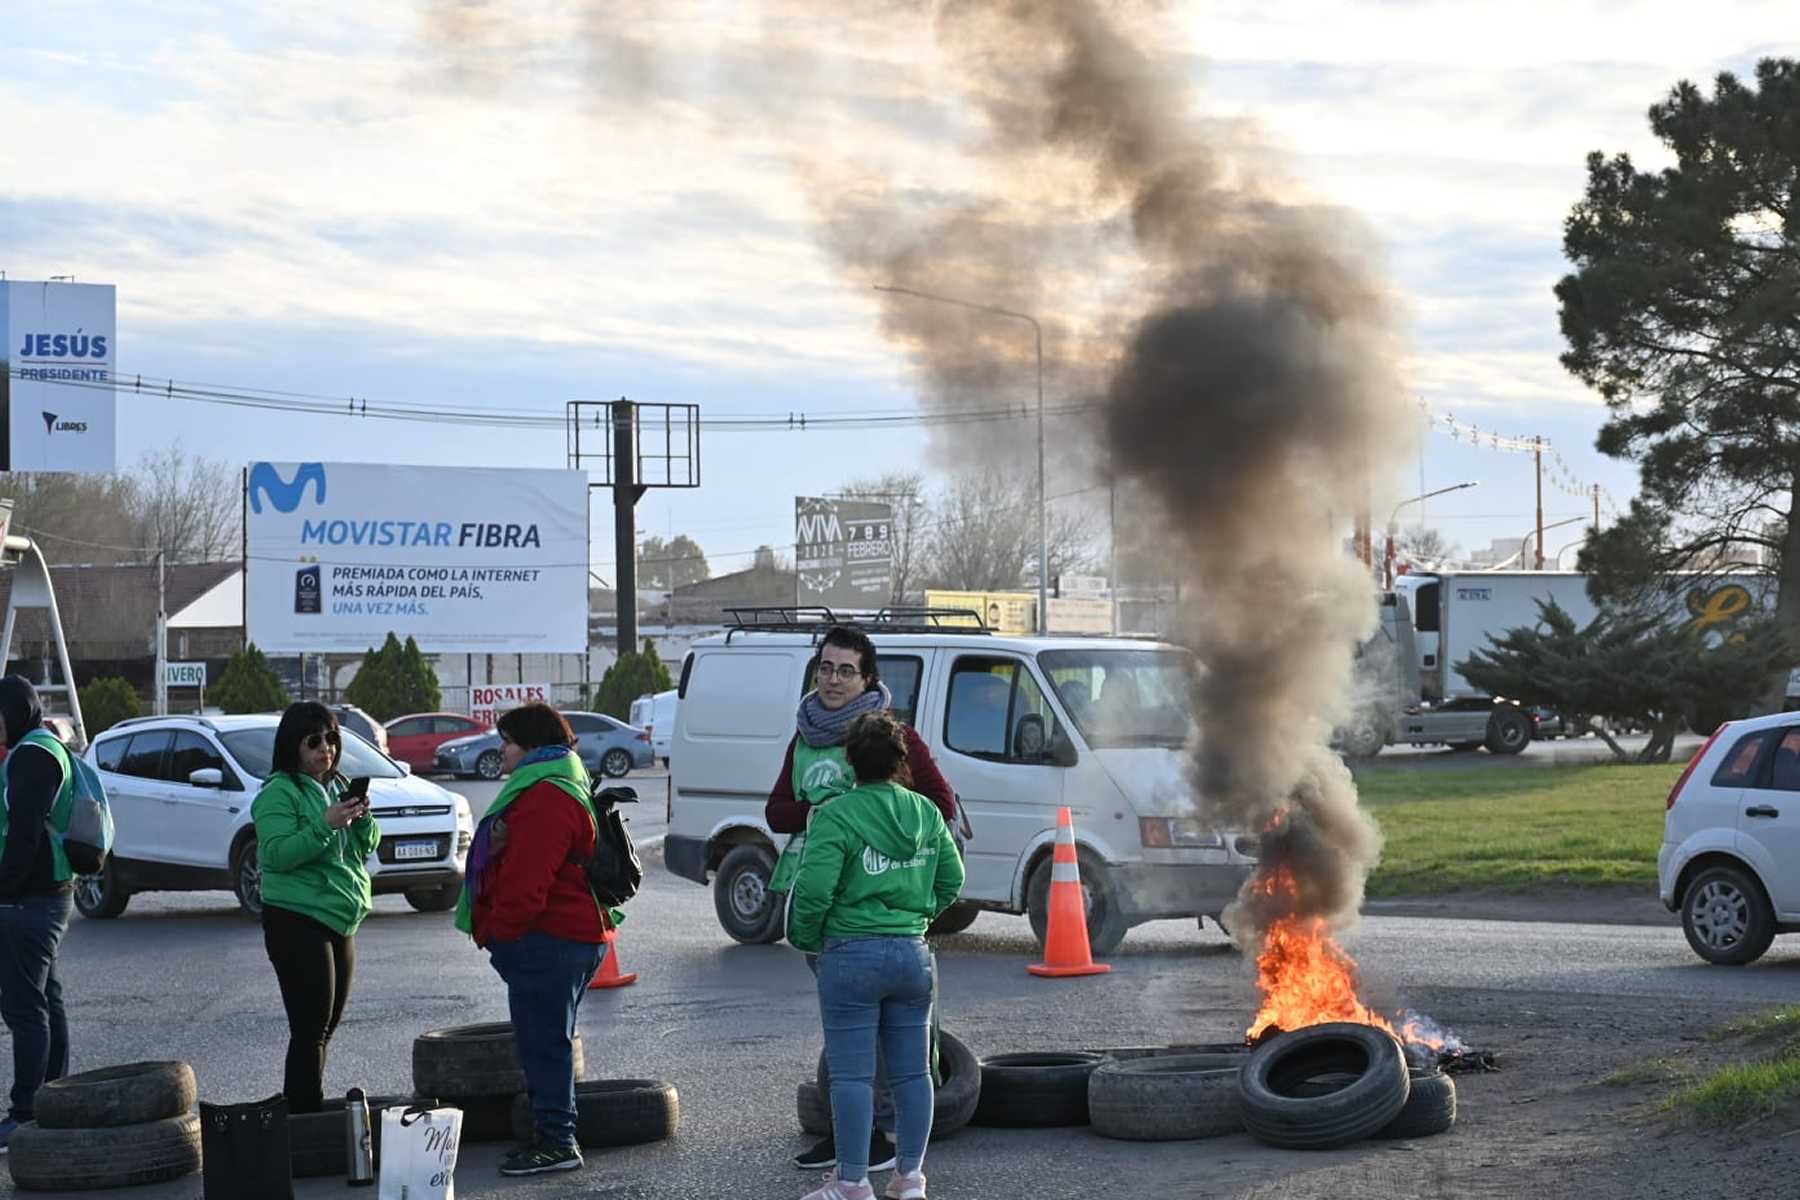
column 615, row 872
column 244, row 1150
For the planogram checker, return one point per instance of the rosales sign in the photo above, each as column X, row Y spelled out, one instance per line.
column 465, row 560
column 488, row 701
column 57, row 409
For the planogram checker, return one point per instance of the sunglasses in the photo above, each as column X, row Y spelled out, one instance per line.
column 318, row 741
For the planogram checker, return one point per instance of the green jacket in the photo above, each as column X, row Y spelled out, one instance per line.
column 879, row 860
column 564, row 771
column 307, row 866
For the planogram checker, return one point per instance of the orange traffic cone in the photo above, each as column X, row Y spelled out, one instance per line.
column 1065, row 937
column 608, row 975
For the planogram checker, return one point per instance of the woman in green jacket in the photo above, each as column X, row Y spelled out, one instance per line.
column 311, row 840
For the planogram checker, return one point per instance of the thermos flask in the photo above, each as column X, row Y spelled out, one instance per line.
column 359, row 1141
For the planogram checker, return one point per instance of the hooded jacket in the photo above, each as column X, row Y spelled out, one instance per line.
column 307, row 866
column 33, row 780
column 879, row 861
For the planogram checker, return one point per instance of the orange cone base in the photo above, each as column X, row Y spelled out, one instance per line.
column 608, row 975
column 1058, row 972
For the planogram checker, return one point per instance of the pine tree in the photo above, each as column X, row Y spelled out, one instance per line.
column 248, row 684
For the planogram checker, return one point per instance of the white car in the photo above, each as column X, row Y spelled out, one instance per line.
column 180, row 790
column 1730, row 858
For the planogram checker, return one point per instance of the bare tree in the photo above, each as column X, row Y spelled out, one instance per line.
column 905, row 490
column 1423, row 547
column 984, row 534
column 75, row 518
column 186, row 506
column 675, row 563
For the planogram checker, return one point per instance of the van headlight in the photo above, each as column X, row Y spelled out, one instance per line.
column 1170, row 832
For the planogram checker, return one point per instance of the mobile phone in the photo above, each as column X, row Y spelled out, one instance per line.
column 359, row 789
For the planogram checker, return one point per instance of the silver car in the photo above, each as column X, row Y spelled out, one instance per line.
column 607, row 747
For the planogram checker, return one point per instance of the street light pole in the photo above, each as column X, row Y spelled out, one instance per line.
column 1043, row 605
column 1393, row 524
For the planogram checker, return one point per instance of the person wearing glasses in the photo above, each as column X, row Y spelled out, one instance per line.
column 312, row 837
column 846, row 686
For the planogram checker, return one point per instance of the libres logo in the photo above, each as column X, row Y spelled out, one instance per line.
column 52, row 425
column 266, row 483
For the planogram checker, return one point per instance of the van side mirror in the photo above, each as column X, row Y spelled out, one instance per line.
column 207, row 777
column 1062, row 750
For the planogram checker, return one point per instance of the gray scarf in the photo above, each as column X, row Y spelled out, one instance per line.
column 821, row 726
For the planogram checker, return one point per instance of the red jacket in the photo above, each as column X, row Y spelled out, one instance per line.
column 534, row 881
column 786, row 812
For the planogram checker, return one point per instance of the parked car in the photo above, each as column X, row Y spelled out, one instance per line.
column 414, row 739
column 1730, row 857
column 654, row 712
column 1020, row 726
column 606, row 745
column 180, row 789
column 361, row 724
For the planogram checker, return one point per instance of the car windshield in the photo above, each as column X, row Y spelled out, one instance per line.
column 255, row 751
column 1124, row 697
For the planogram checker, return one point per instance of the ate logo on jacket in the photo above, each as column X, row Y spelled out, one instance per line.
column 826, row 773
column 874, row 862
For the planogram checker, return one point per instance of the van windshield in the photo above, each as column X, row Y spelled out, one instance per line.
column 1124, row 697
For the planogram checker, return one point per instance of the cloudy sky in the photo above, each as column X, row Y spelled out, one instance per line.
column 518, row 205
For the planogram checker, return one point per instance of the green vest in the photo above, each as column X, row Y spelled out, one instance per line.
column 59, row 809
column 820, row 774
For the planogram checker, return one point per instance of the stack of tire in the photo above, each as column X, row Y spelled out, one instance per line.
column 956, row 1099
column 1167, row 1093
column 476, row 1068
column 1328, row 1085
column 115, row 1127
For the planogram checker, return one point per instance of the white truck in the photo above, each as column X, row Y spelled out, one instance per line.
column 1411, row 691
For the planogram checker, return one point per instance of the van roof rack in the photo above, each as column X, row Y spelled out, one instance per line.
column 816, row 619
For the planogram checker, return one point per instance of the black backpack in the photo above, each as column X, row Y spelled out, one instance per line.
column 615, row 872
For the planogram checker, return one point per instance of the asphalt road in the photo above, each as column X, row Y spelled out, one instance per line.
column 183, row 976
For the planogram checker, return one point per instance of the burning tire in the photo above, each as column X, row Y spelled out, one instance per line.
column 1035, row 1091
column 1727, row 917
column 1166, row 1098
column 1275, row 1083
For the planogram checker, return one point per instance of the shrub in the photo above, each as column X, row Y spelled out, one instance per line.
column 105, row 702
column 248, row 685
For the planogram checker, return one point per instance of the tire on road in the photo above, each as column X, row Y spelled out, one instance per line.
column 1035, row 1091
column 955, row 919
column 1508, row 731
column 1166, row 1098
column 485, row 1118
column 71, row 1160
column 747, row 909
column 1273, row 1089
column 473, row 1061
column 316, row 1145
column 101, row 896
column 613, row 1112
column 1106, row 924
column 1430, row 1107
column 953, row 1103
column 1727, row 916
column 112, row 1096
column 813, row 1108
column 437, row 899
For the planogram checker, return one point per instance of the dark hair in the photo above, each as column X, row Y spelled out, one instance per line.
column 849, row 637
column 533, row 726
column 876, row 748
column 299, row 722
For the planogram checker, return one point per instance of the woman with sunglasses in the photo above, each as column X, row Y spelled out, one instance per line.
column 311, row 842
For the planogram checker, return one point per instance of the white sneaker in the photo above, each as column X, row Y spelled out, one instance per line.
column 906, row 1186
column 837, row 1189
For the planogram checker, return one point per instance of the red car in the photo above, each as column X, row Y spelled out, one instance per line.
column 414, row 739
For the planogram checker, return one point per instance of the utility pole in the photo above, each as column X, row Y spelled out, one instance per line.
column 1537, row 454
column 1596, row 491
column 161, row 690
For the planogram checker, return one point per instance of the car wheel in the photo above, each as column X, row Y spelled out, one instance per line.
column 101, row 895
column 246, row 881
column 615, row 764
column 437, row 899
column 1727, row 918
column 1106, row 925
column 747, row 909
column 1508, row 732
column 489, row 766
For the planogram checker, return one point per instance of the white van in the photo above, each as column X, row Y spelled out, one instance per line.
column 655, row 713
column 1019, row 726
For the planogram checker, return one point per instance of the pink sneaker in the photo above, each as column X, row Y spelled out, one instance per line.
column 906, row 1186
column 837, row 1189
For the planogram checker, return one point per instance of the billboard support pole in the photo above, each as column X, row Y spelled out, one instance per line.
column 626, row 493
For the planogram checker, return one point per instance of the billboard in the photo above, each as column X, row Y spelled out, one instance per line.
column 1002, row 612
column 466, row 560
column 843, row 552
column 57, row 409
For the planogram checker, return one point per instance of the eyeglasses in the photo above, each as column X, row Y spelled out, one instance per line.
column 841, row 670
column 318, row 741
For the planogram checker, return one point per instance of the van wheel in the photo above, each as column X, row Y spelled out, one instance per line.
column 1106, row 925
column 747, row 909
column 437, row 899
column 246, row 880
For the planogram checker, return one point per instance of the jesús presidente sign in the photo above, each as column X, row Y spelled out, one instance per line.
column 465, row 560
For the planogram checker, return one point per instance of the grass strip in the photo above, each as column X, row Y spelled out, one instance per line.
column 1516, row 828
column 1742, row 1092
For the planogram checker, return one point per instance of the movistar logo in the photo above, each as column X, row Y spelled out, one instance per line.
column 266, row 483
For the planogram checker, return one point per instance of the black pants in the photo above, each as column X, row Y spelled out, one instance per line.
column 313, row 965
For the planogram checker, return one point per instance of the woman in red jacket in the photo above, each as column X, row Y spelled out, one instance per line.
column 527, row 902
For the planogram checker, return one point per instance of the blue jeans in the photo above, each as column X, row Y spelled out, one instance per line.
column 877, row 989
column 546, row 977
column 31, row 1003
